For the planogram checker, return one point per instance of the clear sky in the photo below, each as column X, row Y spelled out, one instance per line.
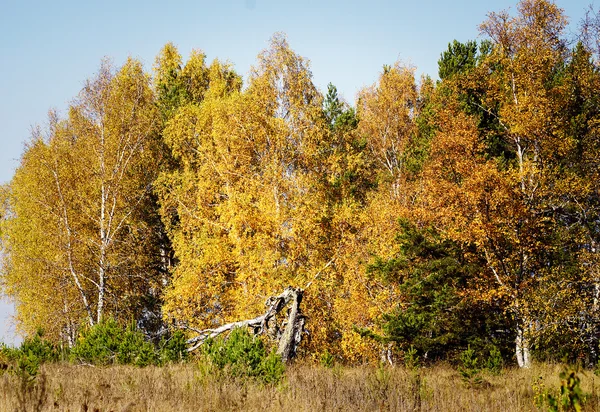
column 49, row 48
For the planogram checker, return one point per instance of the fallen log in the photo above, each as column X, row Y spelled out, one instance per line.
column 288, row 333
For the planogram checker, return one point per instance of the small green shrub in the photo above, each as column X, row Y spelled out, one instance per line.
column 27, row 366
column 411, row 359
column 173, row 348
column 34, row 347
column 103, row 344
column 25, row 360
column 272, row 368
column 494, row 362
column 240, row 352
column 571, row 396
column 327, row 359
column 40, row 348
column 469, row 369
column 134, row 349
column 243, row 355
column 99, row 344
column 108, row 342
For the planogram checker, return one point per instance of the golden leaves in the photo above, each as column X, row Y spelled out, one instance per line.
column 263, row 189
column 387, row 115
column 82, row 233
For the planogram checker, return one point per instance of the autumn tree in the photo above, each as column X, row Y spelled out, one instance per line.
column 387, row 111
column 242, row 157
column 389, row 129
column 459, row 58
column 177, row 84
column 81, row 236
column 506, row 202
column 267, row 196
column 577, row 213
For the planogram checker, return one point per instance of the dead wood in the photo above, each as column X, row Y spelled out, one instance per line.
column 288, row 333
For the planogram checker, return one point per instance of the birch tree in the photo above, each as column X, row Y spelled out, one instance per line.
column 505, row 204
column 82, row 219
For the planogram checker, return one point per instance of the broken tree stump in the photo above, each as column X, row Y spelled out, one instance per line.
column 288, row 334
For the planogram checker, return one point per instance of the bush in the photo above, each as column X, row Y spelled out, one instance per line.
column 173, row 348
column 27, row 358
column 134, row 349
column 108, row 342
column 35, row 347
column 272, row 368
column 103, row 344
column 469, row 368
column 494, row 362
column 571, row 396
column 99, row 344
column 40, row 348
column 411, row 359
column 243, row 355
column 327, row 359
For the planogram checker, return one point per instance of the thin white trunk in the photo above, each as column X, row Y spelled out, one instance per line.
column 103, row 235
column 68, row 332
column 101, row 287
column 276, row 199
column 591, row 327
column 520, row 158
column 522, row 346
column 517, row 139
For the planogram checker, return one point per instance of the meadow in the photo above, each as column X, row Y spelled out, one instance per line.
column 194, row 386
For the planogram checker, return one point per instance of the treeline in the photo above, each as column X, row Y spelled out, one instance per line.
column 429, row 218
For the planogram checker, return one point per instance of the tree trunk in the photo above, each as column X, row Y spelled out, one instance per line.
column 292, row 334
column 101, row 290
column 522, row 346
column 590, row 327
column 288, row 333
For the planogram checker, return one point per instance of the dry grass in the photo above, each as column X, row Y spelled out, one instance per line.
column 64, row 387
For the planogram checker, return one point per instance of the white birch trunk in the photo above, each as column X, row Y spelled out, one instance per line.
column 522, row 346
column 103, row 239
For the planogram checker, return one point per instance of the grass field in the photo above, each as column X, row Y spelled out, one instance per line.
column 193, row 387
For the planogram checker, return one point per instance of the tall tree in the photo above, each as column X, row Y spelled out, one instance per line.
column 393, row 152
column 436, row 314
column 265, row 197
column 577, row 121
column 82, row 216
column 504, row 204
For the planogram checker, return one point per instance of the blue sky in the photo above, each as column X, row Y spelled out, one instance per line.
column 49, row 48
